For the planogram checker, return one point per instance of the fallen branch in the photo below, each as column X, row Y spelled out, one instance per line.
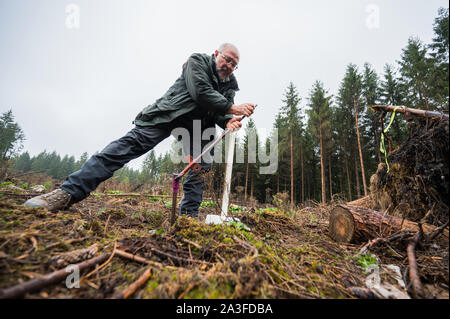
column 124, row 294
column 142, row 260
column 433, row 234
column 406, row 110
column 399, row 235
column 49, row 279
column 413, row 269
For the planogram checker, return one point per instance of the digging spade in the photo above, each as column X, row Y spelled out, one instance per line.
column 194, row 165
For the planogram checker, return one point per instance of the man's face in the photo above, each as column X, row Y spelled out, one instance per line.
column 226, row 61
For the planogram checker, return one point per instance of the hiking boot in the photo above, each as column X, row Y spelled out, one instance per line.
column 53, row 201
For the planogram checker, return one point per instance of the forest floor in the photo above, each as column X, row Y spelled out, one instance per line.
column 271, row 254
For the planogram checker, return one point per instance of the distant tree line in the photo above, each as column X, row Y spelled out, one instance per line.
column 154, row 169
column 51, row 164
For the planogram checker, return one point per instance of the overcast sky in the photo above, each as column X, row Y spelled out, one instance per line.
column 76, row 73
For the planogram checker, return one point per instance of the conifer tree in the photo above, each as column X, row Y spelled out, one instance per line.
column 319, row 123
column 415, row 71
column 11, row 137
column 290, row 116
column 439, row 79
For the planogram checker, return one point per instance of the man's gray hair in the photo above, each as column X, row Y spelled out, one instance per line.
column 228, row 45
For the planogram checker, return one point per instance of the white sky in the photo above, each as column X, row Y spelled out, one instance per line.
column 77, row 89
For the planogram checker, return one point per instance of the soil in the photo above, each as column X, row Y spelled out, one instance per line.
column 271, row 254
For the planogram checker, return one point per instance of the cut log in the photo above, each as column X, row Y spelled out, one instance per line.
column 358, row 224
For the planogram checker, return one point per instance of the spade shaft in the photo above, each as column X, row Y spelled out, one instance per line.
column 177, row 177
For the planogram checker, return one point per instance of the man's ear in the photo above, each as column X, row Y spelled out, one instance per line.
column 216, row 53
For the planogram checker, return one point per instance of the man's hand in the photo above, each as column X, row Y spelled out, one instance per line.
column 234, row 123
column 242, row 109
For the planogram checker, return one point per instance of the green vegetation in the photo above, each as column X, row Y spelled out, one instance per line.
column 208, row 204
column 114, row 192
column 239, row 225
column 235, row 209
column 366, row 260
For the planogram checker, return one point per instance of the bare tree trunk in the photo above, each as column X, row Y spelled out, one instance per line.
column 252, row 187
column 292, row 172
column 425, row 97
column 329, row 174
column 278, row 182
column 358, row 186
column 359, row 148
column 303, row 173
column 377, row 139
column 322, row 166
column 246, row 182
column 348, row 173
column 308, row 186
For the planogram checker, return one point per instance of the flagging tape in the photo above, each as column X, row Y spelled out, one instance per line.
column 382, row 146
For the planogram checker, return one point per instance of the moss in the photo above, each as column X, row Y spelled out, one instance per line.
column 96, row 226
column 228, row 240
column 7, row 211
column 151, row 285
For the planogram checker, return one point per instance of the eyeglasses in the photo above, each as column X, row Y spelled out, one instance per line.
column 229, row 61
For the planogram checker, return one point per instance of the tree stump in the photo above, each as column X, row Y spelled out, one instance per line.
column 359, row 224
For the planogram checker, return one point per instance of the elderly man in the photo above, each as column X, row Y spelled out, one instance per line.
column 205, row 91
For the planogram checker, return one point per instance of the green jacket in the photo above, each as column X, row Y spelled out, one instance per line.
column 197, row 87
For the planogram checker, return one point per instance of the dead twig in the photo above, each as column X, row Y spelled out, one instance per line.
column 180, row 259
column 399, row 235
column 33, row 248
column 101, row 266
column 124, row 294
column 137, row 258
column 433, row 234
column 106, row 225
column 187, row 241
column 413, row 269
